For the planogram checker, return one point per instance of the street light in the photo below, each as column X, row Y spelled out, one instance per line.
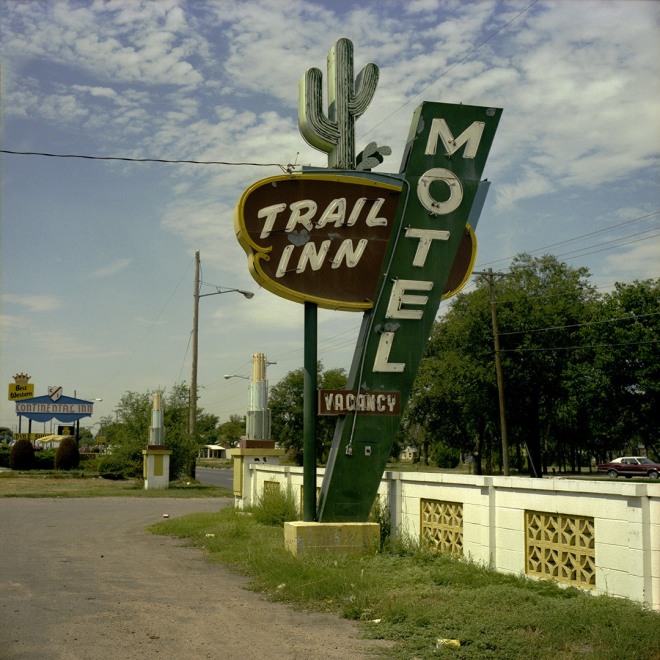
column 192, row 422
column 75, row 396
column 228, row 376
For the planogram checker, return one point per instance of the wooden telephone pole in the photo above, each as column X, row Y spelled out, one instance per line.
column 490, row 276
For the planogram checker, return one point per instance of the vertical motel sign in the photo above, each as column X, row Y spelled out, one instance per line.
column 390, row 246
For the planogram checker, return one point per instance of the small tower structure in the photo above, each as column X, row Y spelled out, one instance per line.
column 156, row 457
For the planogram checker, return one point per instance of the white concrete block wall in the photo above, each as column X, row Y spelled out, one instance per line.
column 654, row 533
column 626, row 518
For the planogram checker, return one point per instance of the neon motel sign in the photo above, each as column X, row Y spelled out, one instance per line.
column 391, row 246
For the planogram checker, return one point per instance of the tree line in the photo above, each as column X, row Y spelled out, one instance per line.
column 580, row 374
column 580, row 370
column 127, row 433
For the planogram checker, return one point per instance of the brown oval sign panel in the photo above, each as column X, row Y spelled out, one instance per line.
column 318, row 238
column 322, row 238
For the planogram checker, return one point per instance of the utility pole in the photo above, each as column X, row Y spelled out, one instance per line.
column 192, row 420
column 489, row 276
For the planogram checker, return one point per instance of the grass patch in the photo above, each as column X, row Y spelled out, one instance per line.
column 78, row 484
column 416, row 597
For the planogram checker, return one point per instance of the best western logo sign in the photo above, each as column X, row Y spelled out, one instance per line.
column 19, row 391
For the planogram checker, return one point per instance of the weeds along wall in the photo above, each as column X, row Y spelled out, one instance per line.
column 603, row 537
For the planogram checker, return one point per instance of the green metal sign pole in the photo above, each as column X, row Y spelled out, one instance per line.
column 309, row 412
column 348, row 98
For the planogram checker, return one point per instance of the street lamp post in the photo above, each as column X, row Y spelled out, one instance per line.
column 192, row 422
column 75, row 396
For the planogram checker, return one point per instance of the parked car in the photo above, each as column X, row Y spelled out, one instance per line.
column 631, row 466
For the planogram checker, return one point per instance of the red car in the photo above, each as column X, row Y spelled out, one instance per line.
column 631, row 466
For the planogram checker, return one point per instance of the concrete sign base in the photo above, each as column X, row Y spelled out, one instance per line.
column 309, row 538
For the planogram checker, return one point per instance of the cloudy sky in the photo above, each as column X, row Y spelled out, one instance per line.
column 97, row 256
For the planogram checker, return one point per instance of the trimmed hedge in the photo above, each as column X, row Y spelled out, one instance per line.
column 21, row 456
column 68, row 455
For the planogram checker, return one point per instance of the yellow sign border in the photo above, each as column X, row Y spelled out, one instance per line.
column 469, row 269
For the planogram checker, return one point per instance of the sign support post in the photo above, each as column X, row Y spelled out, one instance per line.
column 309, row 412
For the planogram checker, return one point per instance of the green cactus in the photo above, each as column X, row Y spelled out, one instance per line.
column 347, row 100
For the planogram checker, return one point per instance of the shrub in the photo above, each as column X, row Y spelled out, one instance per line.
column 67, row 456
column 275, row 507
column 21, row 456
column 4, row 456
column 44, row 459
column 111, row 467
column 381, row 514
column 89, row 463
column 446, row 457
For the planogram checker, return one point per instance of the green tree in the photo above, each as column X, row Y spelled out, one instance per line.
column 286, row 405
column 541, row 307
column 184, row 448
column 128, row 434
column 207, row 428
column 622, row 374
column 86, row 437
column 229, row 433
column 454, row 399
column 541, row 310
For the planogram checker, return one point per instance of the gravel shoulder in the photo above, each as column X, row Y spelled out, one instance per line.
column 82, row 579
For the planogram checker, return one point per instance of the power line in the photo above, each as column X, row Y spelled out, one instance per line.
column 285, row 168
column 580, row 347
column 580, row 237
column 153, row 324
column 579, row 325
column 539, row 296
column 598, row 247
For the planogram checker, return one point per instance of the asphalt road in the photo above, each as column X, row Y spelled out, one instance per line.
column 222, row 477
column 81, row 579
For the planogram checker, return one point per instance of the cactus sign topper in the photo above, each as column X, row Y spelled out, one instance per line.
column 421, row 249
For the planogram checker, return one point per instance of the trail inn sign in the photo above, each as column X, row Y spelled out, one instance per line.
column 388, row 245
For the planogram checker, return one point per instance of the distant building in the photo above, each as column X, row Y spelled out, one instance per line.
column 212, row 451
column 409, row 454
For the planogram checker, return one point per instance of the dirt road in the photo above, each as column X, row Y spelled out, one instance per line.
column 81, row 579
